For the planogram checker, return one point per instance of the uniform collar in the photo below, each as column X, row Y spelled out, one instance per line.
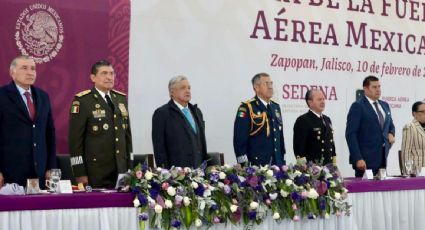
column 102, row 94
column 318, row 115
column 263, row 101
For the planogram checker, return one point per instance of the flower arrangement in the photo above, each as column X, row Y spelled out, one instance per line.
column 184, row 197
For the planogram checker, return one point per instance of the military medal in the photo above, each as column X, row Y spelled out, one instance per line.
column 98, row 113
column 123, row 110
column 277, row 113
column 95, row 128
column 123, row 126
column 97, row 106
column 105, row 126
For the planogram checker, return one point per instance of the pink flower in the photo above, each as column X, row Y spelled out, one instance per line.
column 322, row 188
column 216, row 220
column 296, row 218
column 268, row 202
column 285, row 168
column 338, row 213
column 294, row 206
column 165, row 185
column 304, row 194
column 139, row 174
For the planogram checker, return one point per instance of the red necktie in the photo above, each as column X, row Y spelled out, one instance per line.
column 30, row 105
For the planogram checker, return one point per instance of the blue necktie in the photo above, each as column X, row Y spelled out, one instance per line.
column 189, row 118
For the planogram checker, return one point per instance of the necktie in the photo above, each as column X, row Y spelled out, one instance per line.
column 108, row 99
column 380, row 116
column 30, row 105
column 189, row 118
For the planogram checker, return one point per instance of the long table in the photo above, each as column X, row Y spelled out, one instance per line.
column 390, row 204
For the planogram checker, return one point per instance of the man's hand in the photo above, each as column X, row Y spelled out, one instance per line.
column 391, row 138
column 82, row 179
column 361, row 165
column 1, row 180
column 48, row 175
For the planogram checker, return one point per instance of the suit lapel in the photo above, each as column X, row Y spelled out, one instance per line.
column 419, row 128
column 372, row 111
column 16, row 98
column 38, row 103
column 184, row 124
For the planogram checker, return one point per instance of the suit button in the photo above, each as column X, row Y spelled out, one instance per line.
column 330, row 149
column 332, row 140
column 323, row 141
column 35, row 144
column 115, row 116
column 94, row 159
column 275, row 139
column 116, row 139
column 116, row 128
column 274, row 129
column 275, row 150
column 33, row 126
column 256, row 158
column 117, row 151
column 323, row 150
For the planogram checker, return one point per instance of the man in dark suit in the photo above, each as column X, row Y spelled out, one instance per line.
column 313, row 132
column 99, row 131
column 258, row 129
column 27, row 132
column 178, row 129
column 370, row 130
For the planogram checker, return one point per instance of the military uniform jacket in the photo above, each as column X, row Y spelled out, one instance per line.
column 258, row 133
column 313, row 138
column 99, row 137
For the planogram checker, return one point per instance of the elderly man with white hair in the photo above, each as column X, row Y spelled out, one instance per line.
column 178, row 129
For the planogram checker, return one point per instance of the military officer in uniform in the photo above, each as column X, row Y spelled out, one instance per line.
column 99, row 131
column 258, row 134
column 313, row 132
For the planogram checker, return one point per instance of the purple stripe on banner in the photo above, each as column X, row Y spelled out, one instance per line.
column 358, row 185
column 65, row 201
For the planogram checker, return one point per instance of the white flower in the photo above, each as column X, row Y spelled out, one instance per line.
column 136, row 202
column 168, row 204
column 233, row 208
column 273, row 196
column 288, row 182
column 194, row 185
column 148, row 175
column 327, row 216
column 222, row 175
column 186, row 201
column 312, row 193
column 276, row 216
column 187, row 169
column 207, row 193
column 297, row 173
column 253, row 205
column 344, row 190
column 158, row 209
column 151, row 201
column 337, row 195
column 333, row 185
column 284, row 193
column 202, row 205
column 171, row 191
column 269, row 173
column 198, row 223
column 226, row 166
column 220, row 185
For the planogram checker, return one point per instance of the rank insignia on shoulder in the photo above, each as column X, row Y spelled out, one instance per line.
column 75, row 109
column 241, row 114
column 118, row 92
column 242, row 109
column 85, row 92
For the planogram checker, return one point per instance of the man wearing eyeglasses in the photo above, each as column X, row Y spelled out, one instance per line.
column 99, row 131
column 258, row 128
column 413, row 140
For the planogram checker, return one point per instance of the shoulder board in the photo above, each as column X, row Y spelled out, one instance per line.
column 272, row 100
column 248, row 101
column 118, row 92
column 85, row 92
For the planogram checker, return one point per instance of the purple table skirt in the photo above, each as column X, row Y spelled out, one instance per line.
column 357, row 185
column 65, row 201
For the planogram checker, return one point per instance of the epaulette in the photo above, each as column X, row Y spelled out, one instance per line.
column 118, row 92
column 83, row 93
column 272, row 100
column 248, row 101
